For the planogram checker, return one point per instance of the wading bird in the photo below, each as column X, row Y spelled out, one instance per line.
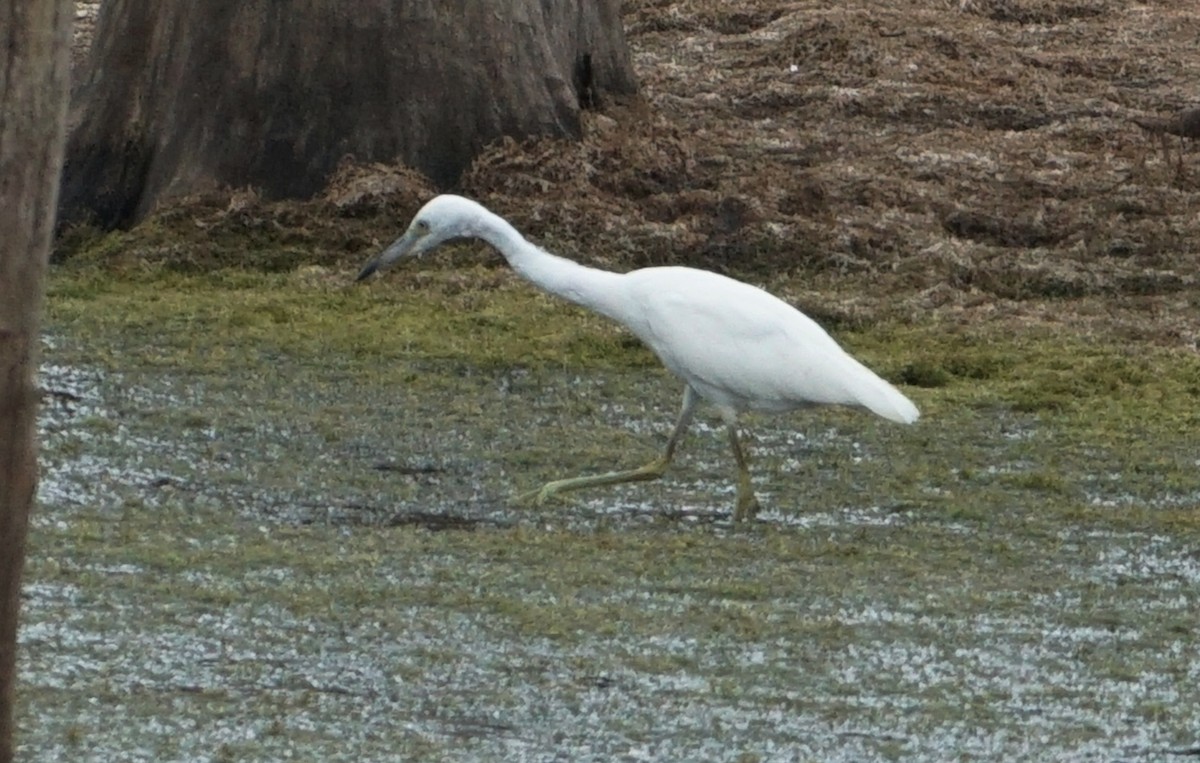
column 731, row 343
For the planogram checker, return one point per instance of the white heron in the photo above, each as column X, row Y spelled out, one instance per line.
column 733, row 344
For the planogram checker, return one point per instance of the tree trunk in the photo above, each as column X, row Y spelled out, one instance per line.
column 35, row 35
column 184, row 97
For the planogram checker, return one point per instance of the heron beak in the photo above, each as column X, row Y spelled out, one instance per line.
column 368, row 270
column 399, row 248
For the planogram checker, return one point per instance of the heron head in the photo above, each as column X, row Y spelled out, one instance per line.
column 443, row 218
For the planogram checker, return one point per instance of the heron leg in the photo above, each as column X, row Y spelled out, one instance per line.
column 650, row 471
column 747, row 503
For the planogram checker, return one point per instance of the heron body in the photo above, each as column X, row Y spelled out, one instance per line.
column 732, row 344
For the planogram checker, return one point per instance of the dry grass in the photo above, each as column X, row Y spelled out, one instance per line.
column 974, row 157
column 966, row 161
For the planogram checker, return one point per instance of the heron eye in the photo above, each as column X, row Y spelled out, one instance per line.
column 423, row 226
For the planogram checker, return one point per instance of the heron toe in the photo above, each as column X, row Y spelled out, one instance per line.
column 540, row 496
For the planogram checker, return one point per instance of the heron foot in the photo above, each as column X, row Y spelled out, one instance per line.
column 650, row 471
column 538, row 497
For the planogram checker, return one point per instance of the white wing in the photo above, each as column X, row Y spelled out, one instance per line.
column 743, row 348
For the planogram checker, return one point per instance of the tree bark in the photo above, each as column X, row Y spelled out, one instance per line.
column 35, row 37
column 178, row 98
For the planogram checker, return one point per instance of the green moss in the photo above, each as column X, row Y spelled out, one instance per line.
column 240, row 317
column 248, row 318
column 924, row 373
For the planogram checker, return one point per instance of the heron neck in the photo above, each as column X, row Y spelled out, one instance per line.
column 594, row 289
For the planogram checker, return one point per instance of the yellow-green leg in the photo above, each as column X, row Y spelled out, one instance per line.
column 747, row 504
column 650, row 471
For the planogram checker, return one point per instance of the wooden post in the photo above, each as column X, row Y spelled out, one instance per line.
column 34, row 79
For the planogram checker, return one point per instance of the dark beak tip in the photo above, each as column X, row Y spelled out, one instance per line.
column 366, row 272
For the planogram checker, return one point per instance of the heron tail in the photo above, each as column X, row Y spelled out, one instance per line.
column 882, row 399
column 891, row 404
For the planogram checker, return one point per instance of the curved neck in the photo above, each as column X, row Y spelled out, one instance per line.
column 597, row 290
